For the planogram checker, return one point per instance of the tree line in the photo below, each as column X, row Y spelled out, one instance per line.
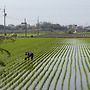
column 43, row 26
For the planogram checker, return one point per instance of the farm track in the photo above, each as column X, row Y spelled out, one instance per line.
column 65, row 35
column 66, row 65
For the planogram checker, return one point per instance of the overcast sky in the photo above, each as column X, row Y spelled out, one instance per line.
column 63, row 12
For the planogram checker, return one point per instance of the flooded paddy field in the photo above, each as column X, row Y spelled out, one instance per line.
column 58, row 64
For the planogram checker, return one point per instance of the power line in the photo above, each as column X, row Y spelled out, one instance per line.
column 12, row 18
column 17, row 19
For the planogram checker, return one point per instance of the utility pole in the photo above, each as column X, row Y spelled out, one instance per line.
column 4, row 21
column 38, row 26
column 25, row 27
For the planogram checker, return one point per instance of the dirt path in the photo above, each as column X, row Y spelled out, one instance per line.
column 66, row 35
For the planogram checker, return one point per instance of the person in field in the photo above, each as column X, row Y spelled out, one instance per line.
column 29, row 54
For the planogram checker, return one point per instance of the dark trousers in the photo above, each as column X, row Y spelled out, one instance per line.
column 31, row 55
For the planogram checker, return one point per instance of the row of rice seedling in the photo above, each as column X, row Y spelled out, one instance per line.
column 77, row 51
column 24, row 66
column 36, row 69
column 86, row 58
column 45, row 70
column 87, row 54
column 58, row 63
column 39, row 64
column 88, row 51
column 7, row 77
column 53, row 66
column 14, row 76
column 64, row 54
column 81, row 56
column 67, row 61
column 70, row 69
column 84, row 67
column 79, row 69
column 75, row 71
column 13, row 70
column 46, row 61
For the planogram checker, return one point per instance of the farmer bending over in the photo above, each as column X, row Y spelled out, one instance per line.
column 29, row 54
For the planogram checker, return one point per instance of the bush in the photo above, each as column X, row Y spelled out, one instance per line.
column 69, row 32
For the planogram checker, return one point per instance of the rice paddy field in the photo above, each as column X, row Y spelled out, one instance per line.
column 58, row 64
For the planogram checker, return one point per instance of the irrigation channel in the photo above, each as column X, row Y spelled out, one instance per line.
column 64, row 67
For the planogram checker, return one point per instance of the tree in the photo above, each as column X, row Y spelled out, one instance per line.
column 69, row 31
column 47, row 26
column 1, row 27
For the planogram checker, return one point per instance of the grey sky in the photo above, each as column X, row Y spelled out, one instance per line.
column 63, row 12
